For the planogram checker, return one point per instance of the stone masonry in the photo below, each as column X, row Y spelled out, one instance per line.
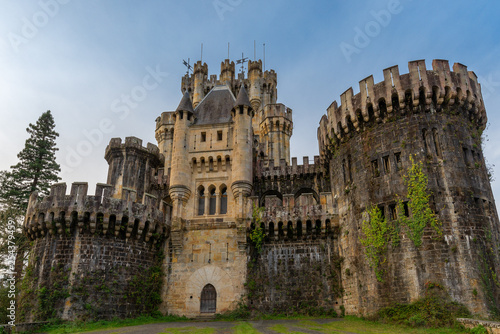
column 178, row 216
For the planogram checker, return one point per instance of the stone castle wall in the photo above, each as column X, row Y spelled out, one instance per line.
column 140, row 243
column 295, row 277
column 210, row 253
column 93, row 257
column 367, row 163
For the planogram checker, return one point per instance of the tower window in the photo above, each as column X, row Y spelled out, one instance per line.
column 406, row 210
column 212, row 202
column 387, row 165
column 219, row 135
column 203, row 136
column 375, row 170
column 397, row 157
column 392, row 212
column 201, row 201
column 223, row 201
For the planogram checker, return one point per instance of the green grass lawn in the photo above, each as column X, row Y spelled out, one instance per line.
column 347, row 324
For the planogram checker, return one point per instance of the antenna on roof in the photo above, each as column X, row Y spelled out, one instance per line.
column 264, row 46
column 189, row 67
column 202, row 53
column 242, row 61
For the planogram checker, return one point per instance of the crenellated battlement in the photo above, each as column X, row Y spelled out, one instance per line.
column 63, row 214
column 267, row 168
column 255, row 66
column 276, row 117
column 166, row 118
column 198, row 84
column 200, row 68
column 132, row 143
column 419, row 90
column 277, row 110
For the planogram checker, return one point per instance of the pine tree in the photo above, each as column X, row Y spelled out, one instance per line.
column 37, row 168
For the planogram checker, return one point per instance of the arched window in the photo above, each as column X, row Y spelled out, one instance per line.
column 308, row 227
column 289, row 230
column 223, row 201
column 213, row 199
column 201, row 201
column 318, row 227
column 271, row 229
column 208, row 299
column 299, row 229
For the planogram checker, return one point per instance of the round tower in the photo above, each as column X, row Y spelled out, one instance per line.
column 255, row 91
column 90, row 250
column 269, row 90
column 242, row 114
column 180, row 173
column 200, row 73
column 164, row 135
column 227, row 72
column 276, row 129
column 131, row 165
column 255, row 76
column 433, row 118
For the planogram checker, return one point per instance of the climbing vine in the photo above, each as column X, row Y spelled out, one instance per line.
column 418, row 195
column 257, row 234
column 378, row 233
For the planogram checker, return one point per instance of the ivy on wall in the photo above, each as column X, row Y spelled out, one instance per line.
column 257, row 234
column 379, row 232
column 421, row 212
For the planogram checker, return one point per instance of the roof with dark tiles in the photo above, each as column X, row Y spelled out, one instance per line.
column 216, row 106
column 243, row 99
column 185, row 104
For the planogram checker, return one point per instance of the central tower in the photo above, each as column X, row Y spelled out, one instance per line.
column 210, row 144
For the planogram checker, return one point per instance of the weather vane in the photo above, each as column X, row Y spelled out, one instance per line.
column 242, row 61
column 189, row 67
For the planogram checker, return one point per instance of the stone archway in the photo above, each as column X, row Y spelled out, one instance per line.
column 208, row 303
column 222, row 282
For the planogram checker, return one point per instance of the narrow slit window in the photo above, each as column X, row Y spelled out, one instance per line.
column 387, row 164
column 375, row 170
column 392, row 212
column 406, row 210
column 382, row 211
column 212, row 202
column 397, row 158
column 223, row 201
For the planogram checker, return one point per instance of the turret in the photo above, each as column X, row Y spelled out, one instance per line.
column 255, row 75
column 164, row 135
column 418, row 90
column 131, row 166
column 275, row 130
column 269, row 90
column 242, row 114
column 226, row 72
column 180, row 175
column 200, row 73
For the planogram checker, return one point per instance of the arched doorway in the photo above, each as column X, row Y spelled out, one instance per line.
column 208, row 299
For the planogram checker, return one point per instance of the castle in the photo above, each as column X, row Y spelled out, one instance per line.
column 170, row 228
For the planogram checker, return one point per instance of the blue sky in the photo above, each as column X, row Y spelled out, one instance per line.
column 81, row 59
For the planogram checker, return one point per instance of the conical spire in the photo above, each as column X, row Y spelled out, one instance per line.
column 186, row 104
column 242, row 99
